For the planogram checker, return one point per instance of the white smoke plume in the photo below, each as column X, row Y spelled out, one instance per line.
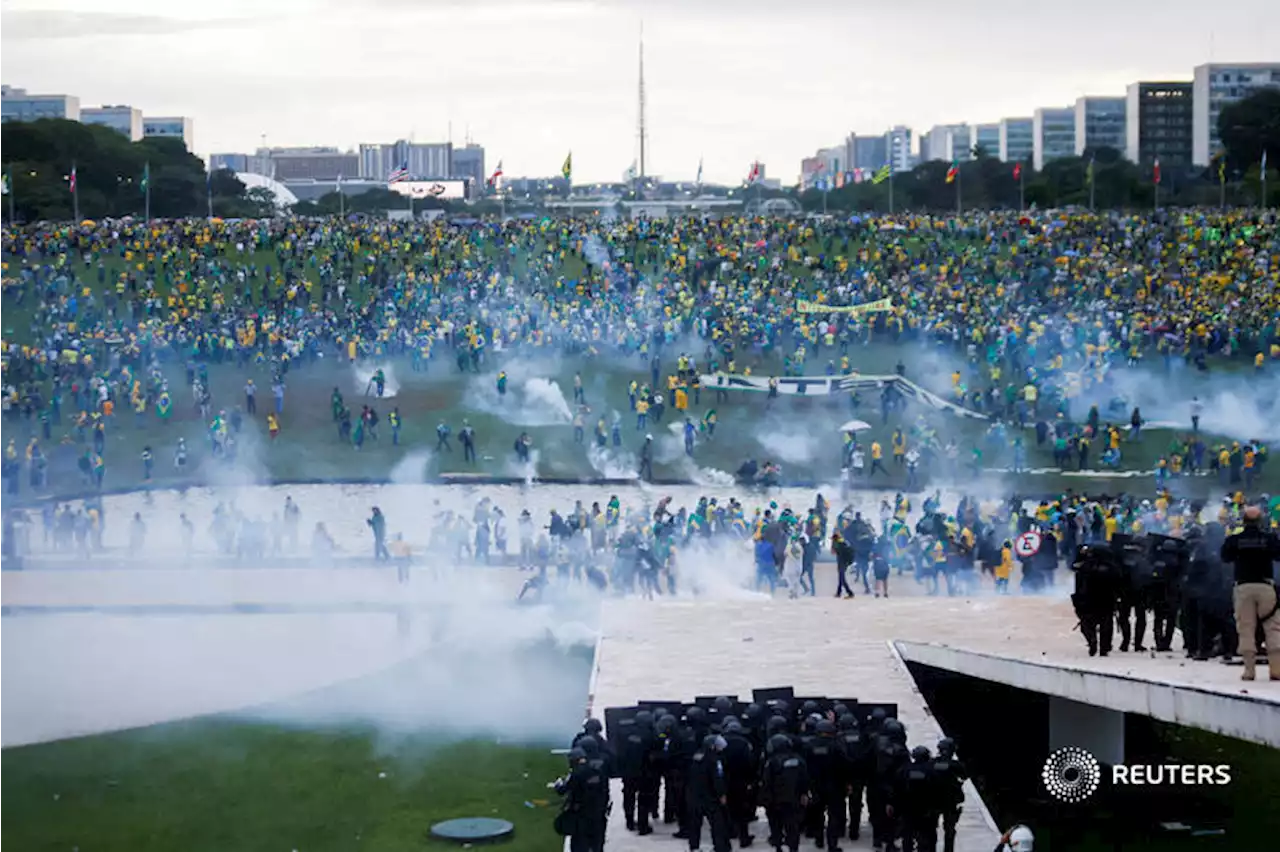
column 362, row 380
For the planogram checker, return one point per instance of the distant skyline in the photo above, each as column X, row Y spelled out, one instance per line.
column 727, row 82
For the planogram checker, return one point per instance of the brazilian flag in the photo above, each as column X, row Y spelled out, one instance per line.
column 164, row 406
column 899, row 538
column 708, row 419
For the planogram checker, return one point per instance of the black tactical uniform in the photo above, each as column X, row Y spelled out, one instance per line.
column 829, row 777
column 916, row 803
column 707, row 793
column 891, row 756
column 638, row 768
column 740, row 771
column 784, row 791
column 1097, row 574
column 951, row 775
column 586, row 805
column 858, row 751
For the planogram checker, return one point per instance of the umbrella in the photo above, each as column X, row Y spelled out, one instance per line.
column 855, row 426
column 88, row 223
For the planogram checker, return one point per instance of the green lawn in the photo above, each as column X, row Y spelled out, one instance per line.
column 219, row 785
column 282, row 779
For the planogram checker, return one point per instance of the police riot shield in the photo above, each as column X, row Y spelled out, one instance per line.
column 617, row 721
column 864, row 711
column 775, row 693
column 1169, row 557
column 1131, row 551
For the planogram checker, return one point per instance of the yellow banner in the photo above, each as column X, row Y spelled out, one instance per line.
column 878, row 306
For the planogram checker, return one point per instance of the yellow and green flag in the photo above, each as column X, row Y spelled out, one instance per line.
column 882, row 175
column 567, row 168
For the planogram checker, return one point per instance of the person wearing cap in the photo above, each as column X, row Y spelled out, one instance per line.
column 1252, row 552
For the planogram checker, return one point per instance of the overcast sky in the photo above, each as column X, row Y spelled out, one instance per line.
column 727, row 80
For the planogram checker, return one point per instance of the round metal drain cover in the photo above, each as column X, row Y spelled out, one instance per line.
column 473, row 830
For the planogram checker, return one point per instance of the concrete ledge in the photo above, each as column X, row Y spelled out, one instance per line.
column 1228, row 710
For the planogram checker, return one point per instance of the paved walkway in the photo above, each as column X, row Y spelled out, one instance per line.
column 819, row 647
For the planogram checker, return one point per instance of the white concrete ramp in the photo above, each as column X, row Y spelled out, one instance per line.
column 682, row 649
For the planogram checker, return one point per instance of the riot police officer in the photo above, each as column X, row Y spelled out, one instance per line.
column 858, row 751
column 784, row 791
column 708, row 794
column 586, row 805
column 1135, row 574
column 740, row 772
column 637, row 766
column 674, row 749
column 1097, row 574
column 593, row 729
column 829, row 778
column 891, row 756
column 915, row 803
column 950, row 774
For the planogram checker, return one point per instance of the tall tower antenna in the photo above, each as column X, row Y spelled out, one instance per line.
column 643, row 134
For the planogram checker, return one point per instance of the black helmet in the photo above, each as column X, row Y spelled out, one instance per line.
column 894, row 730
column 659, row 712
column 713, row 742
column 920, row 753
column 779, row 743
column 753, row 711
column 733, row 726
column 811, row 721
column 808, row 708
column 576, row 755
column 666, row 725
column 839, row 709
column 592, row 727
column 696, row 716
column 776, row 725
column 727, row 719
column 723, row 705
column 781, row 708
column 826, row 727
column 946, row 747
column 644, row 718
column 589, row 745
column 878, row 715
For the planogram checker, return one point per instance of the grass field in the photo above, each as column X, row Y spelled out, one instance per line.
column 801, row 434
column 366, row 764
column 218, row 785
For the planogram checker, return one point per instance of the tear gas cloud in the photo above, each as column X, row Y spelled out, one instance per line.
column 362, row 380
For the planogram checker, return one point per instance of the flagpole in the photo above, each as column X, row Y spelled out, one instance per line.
column 208, row 193
column 890, row 189
column 1222, row 186
column 147, row 205
column 1262, row 170
column 75, row 193
column 1022, row 198
column 959, row 206
column 342, row 200
column 12, row 193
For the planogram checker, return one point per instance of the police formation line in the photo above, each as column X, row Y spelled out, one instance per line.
column 1219, row 588
column 810, row 768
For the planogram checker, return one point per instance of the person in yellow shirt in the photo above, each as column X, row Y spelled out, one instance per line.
column 899, row 447
column 1004, row 570
column 273, row 424
column 877, row 460
column 642, row 414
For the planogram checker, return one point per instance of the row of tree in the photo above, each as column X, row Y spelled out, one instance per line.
column 113, row 176
column 1248, row 129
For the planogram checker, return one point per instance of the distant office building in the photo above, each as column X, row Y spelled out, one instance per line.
column 1053, row 135
column 422, row 159
column 811, row 169
column 1216, row 86
column 1099, row 123
column 1159, row 123
column 234, row 162
column 898, row 154
column 834, row 159
column 174, row 127
column 320, row 163
column 949, row 142
column 21, row 105
column 124, row 120
column 1017, row 139
column 866, row 152
column 986, row 137
column 468, row 163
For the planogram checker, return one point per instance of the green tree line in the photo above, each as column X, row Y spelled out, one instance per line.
column 110, row 170
column 1247, row 128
